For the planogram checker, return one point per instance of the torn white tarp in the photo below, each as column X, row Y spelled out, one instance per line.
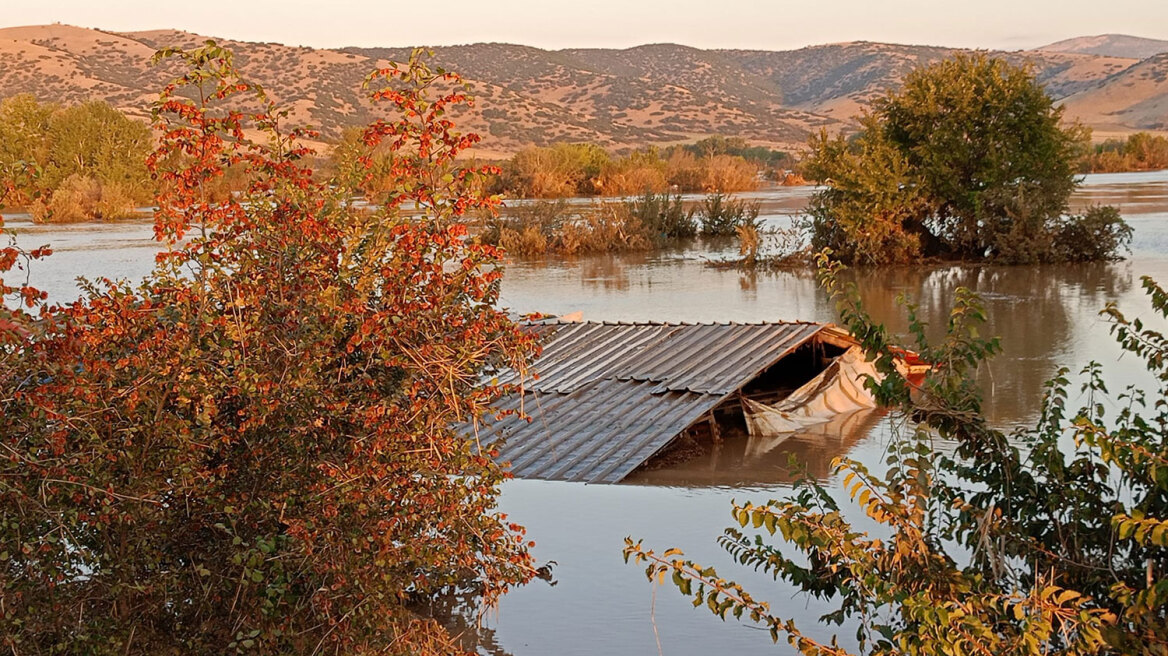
column 818, row 443
column 837, row 389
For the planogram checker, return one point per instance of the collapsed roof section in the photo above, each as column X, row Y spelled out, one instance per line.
column 609, row 396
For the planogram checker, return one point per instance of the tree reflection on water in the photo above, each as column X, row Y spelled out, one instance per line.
column 1036, row 311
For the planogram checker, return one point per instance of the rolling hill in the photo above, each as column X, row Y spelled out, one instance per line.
column 1111, row 45
column 652, row 94
column 1136, row 97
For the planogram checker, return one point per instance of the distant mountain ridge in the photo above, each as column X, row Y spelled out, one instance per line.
column 1111, row 45
column 652, row 94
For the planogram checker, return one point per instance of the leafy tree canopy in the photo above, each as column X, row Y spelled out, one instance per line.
column 968, row 160
column 89, row 158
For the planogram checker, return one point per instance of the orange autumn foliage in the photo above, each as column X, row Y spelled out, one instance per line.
column 257, row 449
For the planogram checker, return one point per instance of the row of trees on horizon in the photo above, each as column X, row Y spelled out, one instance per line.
column 90, row 163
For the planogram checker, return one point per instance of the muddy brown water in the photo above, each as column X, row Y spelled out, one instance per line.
column 1047, row 316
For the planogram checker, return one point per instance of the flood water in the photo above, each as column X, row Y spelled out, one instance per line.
column 1047, row 316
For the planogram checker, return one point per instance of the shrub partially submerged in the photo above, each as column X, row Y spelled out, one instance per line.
column 1100, row 233
column 639, row 223
column 82, row 198
column 721, row 215
column 969, row 160
column 557, row 227
column 663, row 216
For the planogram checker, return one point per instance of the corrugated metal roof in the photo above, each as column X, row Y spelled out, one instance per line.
column 611, row 395
column 598, row 434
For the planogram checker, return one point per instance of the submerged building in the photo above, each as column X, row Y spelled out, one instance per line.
column 605, row 398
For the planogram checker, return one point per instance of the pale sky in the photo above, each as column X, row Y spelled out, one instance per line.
column 756, row 24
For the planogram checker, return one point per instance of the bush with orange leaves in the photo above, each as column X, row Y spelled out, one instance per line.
column 253, row 451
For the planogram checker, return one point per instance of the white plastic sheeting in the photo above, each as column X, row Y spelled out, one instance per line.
column 838, row 389
column 816, row 445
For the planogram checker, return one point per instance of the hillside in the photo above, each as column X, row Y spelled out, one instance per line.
column 1135, row 97
column 837, row 79
column 649, row 94
column 1111, row 45
column 652, row 94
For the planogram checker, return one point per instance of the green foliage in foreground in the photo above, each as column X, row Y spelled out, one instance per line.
column 968, row 161
column 1050, row 540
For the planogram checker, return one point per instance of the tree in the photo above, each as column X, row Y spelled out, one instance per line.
column 1052, row 540
column 97, row 141
column 90, row 158
column 977, row 166
column 555, row 171
column 256, row 450
column 1139, row 152
column 24, row 125
column 867, row 213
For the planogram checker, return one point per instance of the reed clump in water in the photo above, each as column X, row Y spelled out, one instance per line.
column 636, row 224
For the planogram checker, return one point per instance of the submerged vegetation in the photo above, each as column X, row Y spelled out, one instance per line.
column 559, row 227
column 721, row 216
column 254, row 450
column 711, row 165
column 1050, row 540
column 664, row 216
column 967, row 161
column 649, row 221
